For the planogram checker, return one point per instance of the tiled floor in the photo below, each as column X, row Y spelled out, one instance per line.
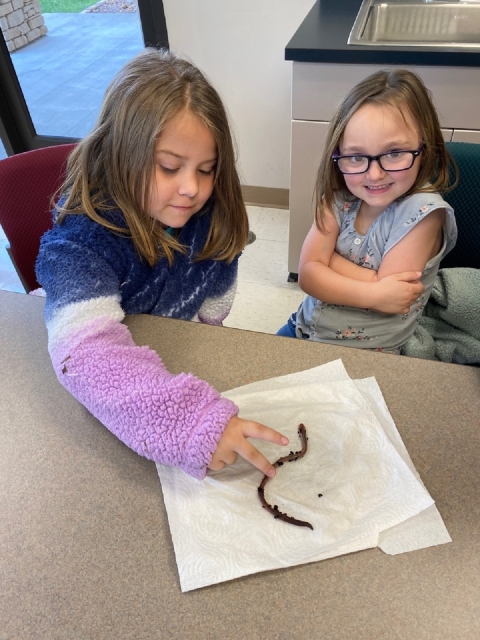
column 264, row 298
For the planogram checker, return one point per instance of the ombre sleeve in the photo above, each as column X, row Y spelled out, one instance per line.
column 176, row 420
column 215, row 309
column 218, row 304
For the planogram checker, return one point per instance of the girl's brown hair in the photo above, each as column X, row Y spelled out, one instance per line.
column 114, row 165
column 402, row 90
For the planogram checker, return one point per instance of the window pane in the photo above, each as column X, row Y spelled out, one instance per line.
column 64, row 73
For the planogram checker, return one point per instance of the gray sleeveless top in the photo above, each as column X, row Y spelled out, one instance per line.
column 365, row 328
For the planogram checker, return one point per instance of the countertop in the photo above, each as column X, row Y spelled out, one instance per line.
column 322, row 37
column 86, row 546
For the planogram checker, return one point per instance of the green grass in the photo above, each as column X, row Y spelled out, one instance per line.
column 65, row 6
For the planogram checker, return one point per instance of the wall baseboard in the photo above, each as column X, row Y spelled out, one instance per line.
column 266, row 197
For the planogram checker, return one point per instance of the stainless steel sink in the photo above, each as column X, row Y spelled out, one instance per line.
column 418, row 23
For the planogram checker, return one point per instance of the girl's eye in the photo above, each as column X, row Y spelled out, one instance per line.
column 207, row 173
column 395, row 155
column 357, row 159
column 167, row 170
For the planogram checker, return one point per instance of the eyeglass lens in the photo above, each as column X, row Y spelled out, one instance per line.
column 395, row 161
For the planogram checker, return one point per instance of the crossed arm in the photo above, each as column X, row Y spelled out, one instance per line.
column 329, row 277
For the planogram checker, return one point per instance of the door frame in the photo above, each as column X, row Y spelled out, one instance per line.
column 17, row 130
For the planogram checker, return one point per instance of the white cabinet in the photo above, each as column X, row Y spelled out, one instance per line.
column 308, row 139
column 466, row 135
column 317, row 88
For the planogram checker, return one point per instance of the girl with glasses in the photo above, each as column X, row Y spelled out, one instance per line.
column 381, row 227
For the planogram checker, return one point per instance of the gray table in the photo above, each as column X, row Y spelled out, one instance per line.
column 86, row 550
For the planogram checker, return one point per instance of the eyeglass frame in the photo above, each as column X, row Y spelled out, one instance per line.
column 415, row 153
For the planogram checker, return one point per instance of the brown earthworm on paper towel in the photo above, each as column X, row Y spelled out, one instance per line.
column 294, row 455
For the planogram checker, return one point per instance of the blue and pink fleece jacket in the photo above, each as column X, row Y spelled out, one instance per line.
column 92, row 278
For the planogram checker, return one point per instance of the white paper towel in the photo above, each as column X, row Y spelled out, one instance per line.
column 371, row 493
column 426, row 529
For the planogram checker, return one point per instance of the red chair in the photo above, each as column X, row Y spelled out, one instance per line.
column 27, row 183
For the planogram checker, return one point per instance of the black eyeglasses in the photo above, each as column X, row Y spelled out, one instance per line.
column 391, row 161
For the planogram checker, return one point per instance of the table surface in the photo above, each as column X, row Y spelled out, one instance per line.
column 86, row 547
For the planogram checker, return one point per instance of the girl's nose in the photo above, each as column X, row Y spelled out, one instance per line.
column 375, row 171
column 188, row 185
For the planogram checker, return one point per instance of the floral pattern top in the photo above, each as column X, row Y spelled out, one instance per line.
column 366, row 328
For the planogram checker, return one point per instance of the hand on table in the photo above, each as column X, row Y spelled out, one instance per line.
column 234, row 443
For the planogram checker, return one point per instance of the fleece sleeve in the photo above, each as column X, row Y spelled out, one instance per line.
column 214, row 310
column 176, row 420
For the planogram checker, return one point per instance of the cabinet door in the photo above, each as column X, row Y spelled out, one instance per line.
column 466, row 135
column 447, row 134
column 308, row 139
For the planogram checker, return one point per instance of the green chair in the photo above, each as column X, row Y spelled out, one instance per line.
column 465, row 200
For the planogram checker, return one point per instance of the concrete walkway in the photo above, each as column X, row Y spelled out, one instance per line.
column 64, row 74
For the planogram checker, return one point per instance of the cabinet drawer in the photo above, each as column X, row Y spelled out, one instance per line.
column 318, row 88
column 464, row 135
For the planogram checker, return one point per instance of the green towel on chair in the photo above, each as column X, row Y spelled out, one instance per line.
column 449, row 329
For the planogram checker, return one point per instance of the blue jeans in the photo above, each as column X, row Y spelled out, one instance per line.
column 288, row 330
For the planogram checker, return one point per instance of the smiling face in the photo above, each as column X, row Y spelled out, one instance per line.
column 185, row 160
column 375, row 129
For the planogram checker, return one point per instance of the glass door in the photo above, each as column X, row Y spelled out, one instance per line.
column 55, row 67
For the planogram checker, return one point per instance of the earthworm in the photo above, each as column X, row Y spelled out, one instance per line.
column 294, row 455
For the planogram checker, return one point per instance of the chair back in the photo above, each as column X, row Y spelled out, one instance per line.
column 27, row 183
column 465, row 201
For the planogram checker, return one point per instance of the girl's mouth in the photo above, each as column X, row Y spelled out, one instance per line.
column 377, row 188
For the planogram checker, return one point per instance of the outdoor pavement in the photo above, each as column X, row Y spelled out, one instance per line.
column 64, row 74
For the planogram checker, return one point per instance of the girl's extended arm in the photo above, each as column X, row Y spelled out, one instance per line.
column 177, row 420
column 394, row 294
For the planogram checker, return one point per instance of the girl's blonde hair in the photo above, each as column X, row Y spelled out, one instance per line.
column 402, row 90
column 114, row 165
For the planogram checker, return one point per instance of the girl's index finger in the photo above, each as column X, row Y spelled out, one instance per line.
column 253, row 429
column 247, row 451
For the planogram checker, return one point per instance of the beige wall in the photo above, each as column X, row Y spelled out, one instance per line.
column 240, row 45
